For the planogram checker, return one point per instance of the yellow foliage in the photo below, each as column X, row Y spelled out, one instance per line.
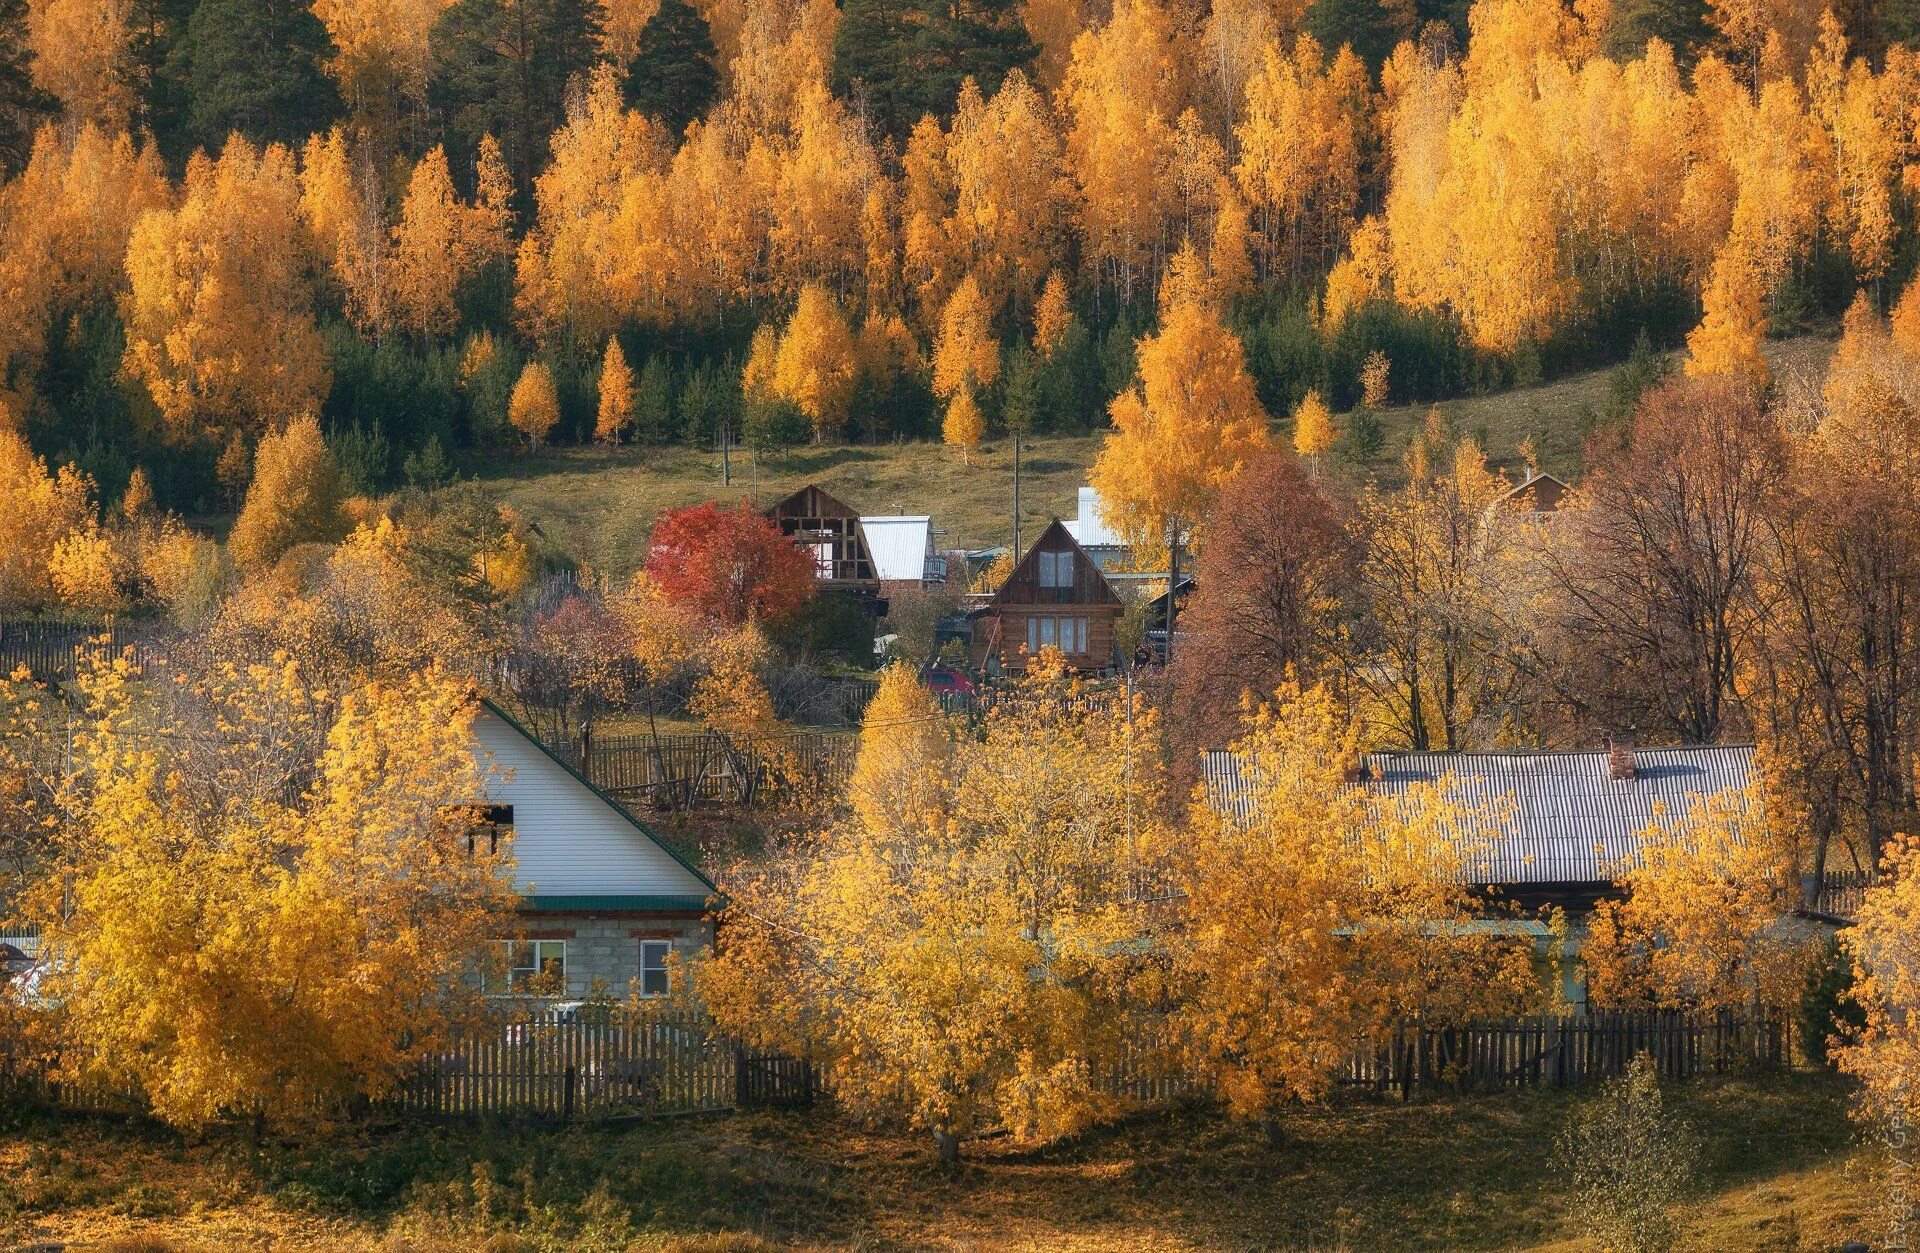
column 294, row 499
column 729, row 697
column 1702, row 923
column 219, row 317
column 900, row 776
column 1052, row 317
column 82, row 55
column 964, row 426
column 1727, row 341
column 1884, row 946
column 814, row 368
column 1183, row 429
column 966, row 354
column 534, row 408
column 1313, row 432
column 441, row 241
column 38, row 511
column 615, row 412
column 1327, row 916
column 235, row 947
column 89, row 571
column 966, row 965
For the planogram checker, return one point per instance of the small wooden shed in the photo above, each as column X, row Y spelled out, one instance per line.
column 1056, row 597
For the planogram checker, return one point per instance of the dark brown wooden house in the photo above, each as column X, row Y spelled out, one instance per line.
column 1056, row 596
column 829, row 532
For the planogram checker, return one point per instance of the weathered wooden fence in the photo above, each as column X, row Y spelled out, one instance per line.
column 562, row 1067
column 579, row 1066
column 1564, row 1052
column 684, row 771
column 50, row 649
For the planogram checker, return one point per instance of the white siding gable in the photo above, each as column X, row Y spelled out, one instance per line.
column 568, row 841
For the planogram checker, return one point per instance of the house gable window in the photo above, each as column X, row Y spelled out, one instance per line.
column 1056, row 570
column 481, row 825
column 654, row 978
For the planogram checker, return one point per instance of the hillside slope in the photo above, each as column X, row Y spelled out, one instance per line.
column 600, row 503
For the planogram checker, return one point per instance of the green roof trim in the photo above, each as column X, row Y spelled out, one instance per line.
column 487, row 704
column 612, row 904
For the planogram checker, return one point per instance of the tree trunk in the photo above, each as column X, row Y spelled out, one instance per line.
column 949, row 1145
column 1276, row 1131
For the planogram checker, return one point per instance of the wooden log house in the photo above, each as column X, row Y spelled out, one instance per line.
column 1057, row 596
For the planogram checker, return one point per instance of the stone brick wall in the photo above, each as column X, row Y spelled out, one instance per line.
column 604, row 949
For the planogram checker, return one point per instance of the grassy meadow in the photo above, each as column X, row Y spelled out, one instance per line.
column 1780, row 1170
column 599, row 503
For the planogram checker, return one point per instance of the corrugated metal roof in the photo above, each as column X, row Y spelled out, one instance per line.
column 1090, row 529
column 1547, row 817
column 900, row 545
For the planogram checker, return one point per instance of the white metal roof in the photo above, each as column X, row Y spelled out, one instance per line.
column 1089, row 529
column 900, row 544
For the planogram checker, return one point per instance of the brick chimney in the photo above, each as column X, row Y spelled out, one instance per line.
column 1620, row 764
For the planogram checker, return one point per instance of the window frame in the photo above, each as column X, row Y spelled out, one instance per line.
column 518, row 977
column 663, row 969
column 1056, row 571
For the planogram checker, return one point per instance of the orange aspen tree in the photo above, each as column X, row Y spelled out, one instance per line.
column 966, row 354
column 83, row 57
column 1324, row 916
column 959, row 955
column 318, row 936
column 1700, row 926
column 1882, row 947
column 1733, row 319
column 295, row 497
column 1010, row 189
column 1182, row 429
column 615, row 413
column 1052, row 317
column 1123, row 96
column 1299, row 165
column 218, row 311
column 340, row 203
column 1313, row 432
column 814, row 369
column 38, row 510
column 534, row 408
column 964, row 426
column 64, row 225
column 899, row 778
column 440, row 241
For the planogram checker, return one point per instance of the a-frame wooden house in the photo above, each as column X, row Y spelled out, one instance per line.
column 1055, row 597
column 829, row 532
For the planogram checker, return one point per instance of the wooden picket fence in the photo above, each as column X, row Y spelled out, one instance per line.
column 581, row 1066
column 680, row 772
column 57, row 649
column 1565, row 1052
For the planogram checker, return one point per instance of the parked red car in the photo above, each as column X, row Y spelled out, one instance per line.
column 940, row 679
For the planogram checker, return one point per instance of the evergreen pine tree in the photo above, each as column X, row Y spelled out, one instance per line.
column 672, row 78
column 1682, row 24
column 653, row 402
column 1372, row 28
column 257, row 67
column 22, row 105
column 501, row 67
column 907, row 58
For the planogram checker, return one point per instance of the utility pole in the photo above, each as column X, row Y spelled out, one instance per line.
column 726, row 450
column 1016, row 495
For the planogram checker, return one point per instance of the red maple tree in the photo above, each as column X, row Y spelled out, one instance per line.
column 730, row 565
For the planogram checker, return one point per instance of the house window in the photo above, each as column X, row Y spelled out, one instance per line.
column 1069, row 635
column 1056, row 570
column 653, row 967
column 822, row 559
column 481, row 825
column 534, row 968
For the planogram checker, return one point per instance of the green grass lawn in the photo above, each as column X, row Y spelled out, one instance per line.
column 1780, row 1171
column 599, row 503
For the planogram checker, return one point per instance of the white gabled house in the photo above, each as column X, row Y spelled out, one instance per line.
column 603, row 901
